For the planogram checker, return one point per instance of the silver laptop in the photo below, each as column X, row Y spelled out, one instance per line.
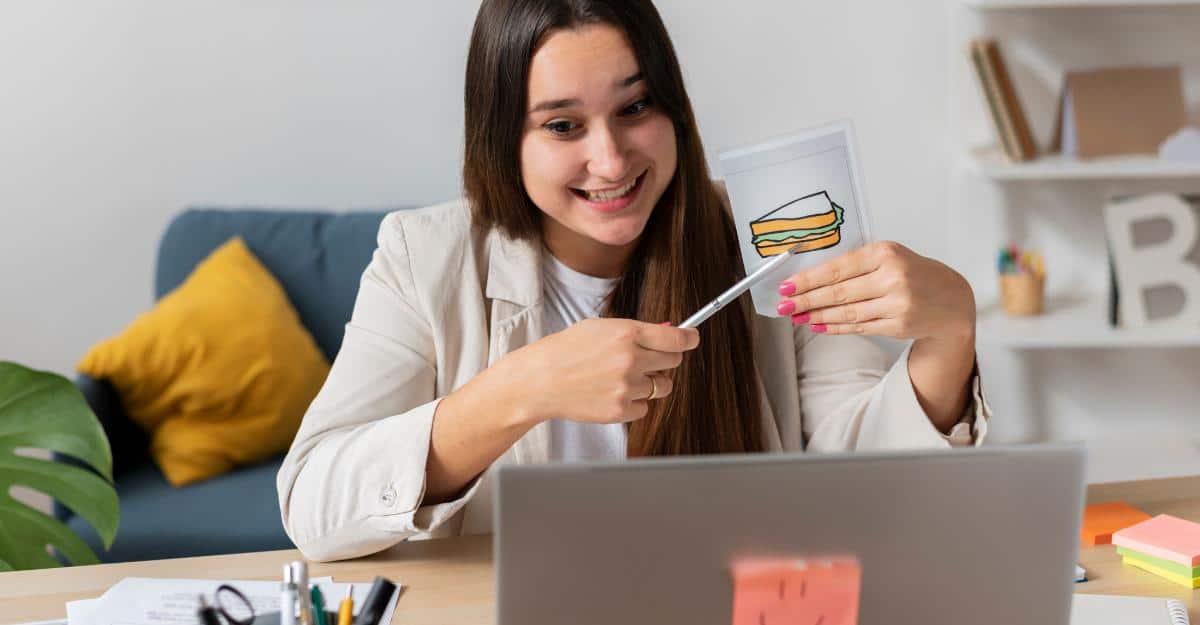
column 975, row 536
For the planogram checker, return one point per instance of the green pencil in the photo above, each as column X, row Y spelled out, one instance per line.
column 318, row 606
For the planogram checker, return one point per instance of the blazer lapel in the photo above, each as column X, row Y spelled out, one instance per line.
column 514, row 288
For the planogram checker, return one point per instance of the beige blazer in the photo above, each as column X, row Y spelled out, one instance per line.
column 439, row 303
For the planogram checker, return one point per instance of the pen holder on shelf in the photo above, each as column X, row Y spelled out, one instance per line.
column 1022, row 294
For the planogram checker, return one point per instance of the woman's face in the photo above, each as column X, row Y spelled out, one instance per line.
column 596, row 154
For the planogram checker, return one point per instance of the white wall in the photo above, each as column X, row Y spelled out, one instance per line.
column 116, row 115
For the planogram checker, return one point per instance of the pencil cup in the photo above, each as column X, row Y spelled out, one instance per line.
column 1022, row 294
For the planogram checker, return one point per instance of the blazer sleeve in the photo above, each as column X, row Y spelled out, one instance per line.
column 354, row 479
column 852, row 397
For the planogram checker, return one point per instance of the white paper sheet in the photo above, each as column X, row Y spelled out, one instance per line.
column 154, row 601
column 774, row 186
column 1069, row 144
column 1119, row 610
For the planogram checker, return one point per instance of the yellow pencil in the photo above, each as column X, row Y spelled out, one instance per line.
column 346, row 611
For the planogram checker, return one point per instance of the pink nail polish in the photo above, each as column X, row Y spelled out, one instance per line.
column 787, row 288
column 819, row 328
column 786, row 307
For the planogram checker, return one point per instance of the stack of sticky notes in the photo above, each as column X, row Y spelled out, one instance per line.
column 1100, row 520
column 797, row 590
column 1166, row 546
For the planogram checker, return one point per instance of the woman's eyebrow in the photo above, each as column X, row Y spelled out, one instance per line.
column 550, row 105
column 632, row 80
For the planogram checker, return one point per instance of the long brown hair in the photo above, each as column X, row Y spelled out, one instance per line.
column 688, row 252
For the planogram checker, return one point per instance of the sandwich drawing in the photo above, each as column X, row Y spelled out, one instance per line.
column 813, row 221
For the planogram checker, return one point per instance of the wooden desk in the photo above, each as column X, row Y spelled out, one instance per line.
column 451, row 581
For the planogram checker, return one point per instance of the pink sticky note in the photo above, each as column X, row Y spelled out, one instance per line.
column 790, row 591
column 1164, row 536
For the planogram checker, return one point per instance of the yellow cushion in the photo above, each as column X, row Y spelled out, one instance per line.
column 219, row 372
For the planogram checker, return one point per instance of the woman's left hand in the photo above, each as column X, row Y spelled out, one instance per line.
column 881, row 289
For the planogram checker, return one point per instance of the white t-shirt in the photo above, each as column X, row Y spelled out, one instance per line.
column 571, row 297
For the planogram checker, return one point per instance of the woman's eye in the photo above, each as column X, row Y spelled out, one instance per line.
column 560, row 127
column 637, row 107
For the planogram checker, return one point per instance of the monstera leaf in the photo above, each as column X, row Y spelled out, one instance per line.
column 45, row 411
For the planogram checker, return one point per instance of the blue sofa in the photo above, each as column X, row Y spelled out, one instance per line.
column 318, row 258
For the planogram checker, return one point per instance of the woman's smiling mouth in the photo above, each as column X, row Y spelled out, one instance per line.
column 612, row 200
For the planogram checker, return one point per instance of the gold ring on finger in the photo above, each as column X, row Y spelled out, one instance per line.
column 653, row 388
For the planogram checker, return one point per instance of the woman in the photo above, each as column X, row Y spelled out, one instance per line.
column 504, row 328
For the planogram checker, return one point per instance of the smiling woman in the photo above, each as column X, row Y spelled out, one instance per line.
column 522, row 324
column 612, row 178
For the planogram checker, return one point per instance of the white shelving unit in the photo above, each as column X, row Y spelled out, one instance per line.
column 1075, row 323
column 992, row 164
column 996, row 5
column 1068, row 374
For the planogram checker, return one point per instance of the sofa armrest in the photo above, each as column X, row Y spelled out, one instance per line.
column 130, row 444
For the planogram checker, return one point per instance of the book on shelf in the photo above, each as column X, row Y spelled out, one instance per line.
column 1004, row 106
column 1114, row 293
column 1117, row 111
column 1012, row 105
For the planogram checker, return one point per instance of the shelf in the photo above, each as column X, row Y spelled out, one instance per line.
column 987, row 5
column 991, row 164
column 1074, row 323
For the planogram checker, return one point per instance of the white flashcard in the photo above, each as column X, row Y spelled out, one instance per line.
column 802, row 189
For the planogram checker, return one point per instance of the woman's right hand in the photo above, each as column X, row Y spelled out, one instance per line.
column 596, row 371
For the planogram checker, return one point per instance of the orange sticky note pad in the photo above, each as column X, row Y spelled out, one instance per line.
column 1100, row 520
column 783, row 591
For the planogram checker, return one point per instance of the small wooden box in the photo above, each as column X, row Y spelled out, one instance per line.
column 1022, row 294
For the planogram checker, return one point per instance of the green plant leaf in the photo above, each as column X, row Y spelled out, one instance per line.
column 45, row 411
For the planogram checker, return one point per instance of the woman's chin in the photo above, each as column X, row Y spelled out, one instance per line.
column 618, row 235
column 616, row 231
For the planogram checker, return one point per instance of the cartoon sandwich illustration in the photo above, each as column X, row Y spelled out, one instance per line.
column 813, row 221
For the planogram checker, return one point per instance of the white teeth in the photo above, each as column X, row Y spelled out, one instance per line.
column 604, row 196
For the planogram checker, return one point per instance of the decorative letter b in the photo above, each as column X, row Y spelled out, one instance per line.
column 1139, row 269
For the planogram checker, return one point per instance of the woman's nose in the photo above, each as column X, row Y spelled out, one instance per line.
column 608, row 156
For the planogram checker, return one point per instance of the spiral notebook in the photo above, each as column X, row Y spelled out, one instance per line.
column 1118, row 610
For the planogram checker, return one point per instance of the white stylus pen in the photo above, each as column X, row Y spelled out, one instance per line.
column 742, row 286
